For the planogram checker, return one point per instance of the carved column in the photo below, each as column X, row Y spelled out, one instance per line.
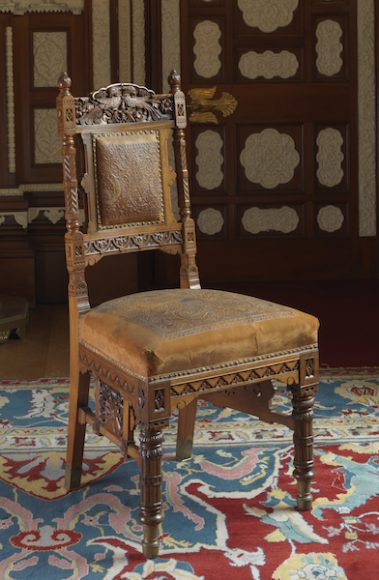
column 151, row 440
column 303, row 400
column 189, row 275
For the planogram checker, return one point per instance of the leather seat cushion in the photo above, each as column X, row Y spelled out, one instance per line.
column 164, row 331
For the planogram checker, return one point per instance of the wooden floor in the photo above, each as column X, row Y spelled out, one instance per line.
column 44, row 352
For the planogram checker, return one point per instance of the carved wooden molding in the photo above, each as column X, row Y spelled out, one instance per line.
column 108, row 373
column 294, row 354
column 50, row 56
column 285, row 369
column 123, row 103
column 110, row 408
column 96, row 247
column 24, row 6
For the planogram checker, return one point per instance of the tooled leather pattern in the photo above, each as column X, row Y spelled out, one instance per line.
column 129, row 182
column 185, row 312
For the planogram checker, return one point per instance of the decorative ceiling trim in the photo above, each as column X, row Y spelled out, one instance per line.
column 366, row 118
column 23, row 6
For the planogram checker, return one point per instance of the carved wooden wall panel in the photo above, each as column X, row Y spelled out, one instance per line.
column 290, row 143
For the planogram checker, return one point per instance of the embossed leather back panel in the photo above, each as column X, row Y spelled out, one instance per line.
column 129, row 188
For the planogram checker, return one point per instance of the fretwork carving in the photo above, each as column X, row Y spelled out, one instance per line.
column 238, row 378
column 107, row 373
column 159, row 401
column 110, row 409
column 132, row 242
column 122, row 103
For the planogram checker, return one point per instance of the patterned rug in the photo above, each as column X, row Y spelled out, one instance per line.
column 228, row 510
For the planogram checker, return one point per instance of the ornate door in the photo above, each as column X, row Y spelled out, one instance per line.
column 274, row 98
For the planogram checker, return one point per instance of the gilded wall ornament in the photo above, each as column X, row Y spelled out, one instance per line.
column 204, row 104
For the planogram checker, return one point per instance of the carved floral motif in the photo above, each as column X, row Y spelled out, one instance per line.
column 330, row 218
column 122, row 103
column 132, row 242
column 268, row 64
column 329, row 47
column 210, row 221
column 284, row 220
column 330, row 157
column 269, row 158
column 207, row 49
column 268, row 15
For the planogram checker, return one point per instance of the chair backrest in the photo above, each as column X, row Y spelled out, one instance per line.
column 125, row 132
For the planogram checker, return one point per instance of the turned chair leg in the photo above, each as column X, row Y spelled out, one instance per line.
column 151, row 440
column 186, row 428
column 303, row 441
column 79, row 389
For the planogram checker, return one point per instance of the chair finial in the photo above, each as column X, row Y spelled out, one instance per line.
column 174, row 81
column 64, row 82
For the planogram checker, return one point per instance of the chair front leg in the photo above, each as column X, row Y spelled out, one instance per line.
column 151, row 440
column 303, row 401
column 79, row 389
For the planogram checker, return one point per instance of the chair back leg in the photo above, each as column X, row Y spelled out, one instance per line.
column 79, row 390
column 303, row 402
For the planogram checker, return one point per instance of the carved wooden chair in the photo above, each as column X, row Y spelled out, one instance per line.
column 153, row 352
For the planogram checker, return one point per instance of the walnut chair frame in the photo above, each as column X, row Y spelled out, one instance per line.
column 124, row 399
